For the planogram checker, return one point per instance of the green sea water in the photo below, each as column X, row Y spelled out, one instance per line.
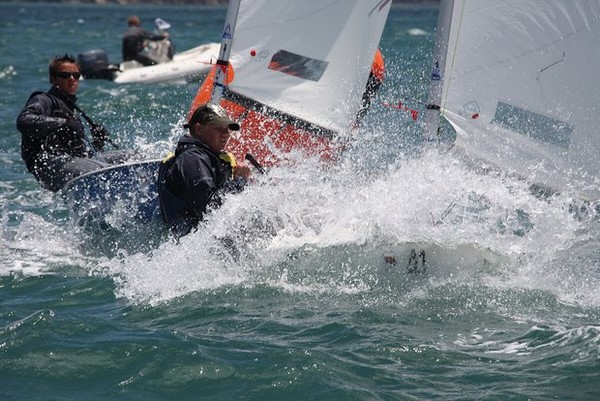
column 313, row 307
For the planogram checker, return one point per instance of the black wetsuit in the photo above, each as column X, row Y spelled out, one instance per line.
column 191, row 182
column 53, row 143
column 133, row 44
column 51, row 135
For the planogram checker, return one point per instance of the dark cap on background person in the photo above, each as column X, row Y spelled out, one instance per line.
column 212, row 114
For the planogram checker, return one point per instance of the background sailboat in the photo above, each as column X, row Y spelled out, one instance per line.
column 516, row 79
column 299, row 72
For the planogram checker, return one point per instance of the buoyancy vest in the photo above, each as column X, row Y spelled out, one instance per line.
column 177, row 213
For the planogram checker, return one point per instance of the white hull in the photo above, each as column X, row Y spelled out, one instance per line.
column 125, row 192
column 190, row 66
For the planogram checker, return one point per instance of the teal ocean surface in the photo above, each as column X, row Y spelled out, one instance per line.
column 318, row 304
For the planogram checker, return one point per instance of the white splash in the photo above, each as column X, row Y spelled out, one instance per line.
column 432, row 199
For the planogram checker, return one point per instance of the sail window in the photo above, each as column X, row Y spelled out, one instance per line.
column 533, row 125
column 297, row 65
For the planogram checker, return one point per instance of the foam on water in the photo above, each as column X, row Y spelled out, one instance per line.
column 342, row 222
column 36, row 246
column 309, row 227
column 417, row 32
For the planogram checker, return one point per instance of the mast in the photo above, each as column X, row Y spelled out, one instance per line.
column 223, row 61
column 440, row 53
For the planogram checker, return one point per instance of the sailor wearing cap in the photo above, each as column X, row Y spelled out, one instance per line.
column 194, row 179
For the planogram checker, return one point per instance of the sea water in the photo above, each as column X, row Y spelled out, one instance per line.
column 317, row 301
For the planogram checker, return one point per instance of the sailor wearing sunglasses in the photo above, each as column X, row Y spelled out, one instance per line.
column 53, row 145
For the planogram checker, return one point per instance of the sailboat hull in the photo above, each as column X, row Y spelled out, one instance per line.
column 126, row 192
column 189, row 66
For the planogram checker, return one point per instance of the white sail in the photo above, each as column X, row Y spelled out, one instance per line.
column 521, row 88
column 309, row 59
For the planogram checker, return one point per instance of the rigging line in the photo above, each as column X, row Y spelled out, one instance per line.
column 90, row 122
column 553, row 64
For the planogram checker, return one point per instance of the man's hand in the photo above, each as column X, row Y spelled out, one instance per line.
column 242, row 170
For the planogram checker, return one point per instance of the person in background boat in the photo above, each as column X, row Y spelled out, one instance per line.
column 53, row 142
column 195, row 178
column 134, row 40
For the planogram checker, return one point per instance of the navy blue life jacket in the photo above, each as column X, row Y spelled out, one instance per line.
column 177, row 213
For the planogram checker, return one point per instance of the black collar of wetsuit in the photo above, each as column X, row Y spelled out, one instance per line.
column 187, row 141
column 68, row 99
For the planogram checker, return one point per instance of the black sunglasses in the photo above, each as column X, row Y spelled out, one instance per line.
column 65, row 75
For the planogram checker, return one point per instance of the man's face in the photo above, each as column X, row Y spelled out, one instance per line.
column 213, row 136
column 67, row 78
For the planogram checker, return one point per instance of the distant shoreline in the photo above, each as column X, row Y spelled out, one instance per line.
column 399, row 3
